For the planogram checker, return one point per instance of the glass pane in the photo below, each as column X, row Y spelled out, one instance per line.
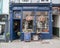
column 28, row 18
column 17, row 14
column 42, row 22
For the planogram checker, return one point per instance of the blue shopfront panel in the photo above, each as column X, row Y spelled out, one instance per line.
column 45, row 36
column 27, row 36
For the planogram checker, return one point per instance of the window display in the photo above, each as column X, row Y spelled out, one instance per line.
column 28, row 21
column 42, row 22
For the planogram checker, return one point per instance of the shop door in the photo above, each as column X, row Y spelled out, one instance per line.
column 16, row 24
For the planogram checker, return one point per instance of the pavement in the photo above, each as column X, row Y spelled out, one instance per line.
column 50, row 43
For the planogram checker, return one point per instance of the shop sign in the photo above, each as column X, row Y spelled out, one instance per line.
column 40, row 8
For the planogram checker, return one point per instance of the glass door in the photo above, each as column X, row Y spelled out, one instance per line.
column 42, row 22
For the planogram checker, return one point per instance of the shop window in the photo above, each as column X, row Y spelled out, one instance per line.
column 42, row 22
column 28, row 21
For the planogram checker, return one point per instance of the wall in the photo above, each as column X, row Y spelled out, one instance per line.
column 1, row 5
column 5, row 7
column 56, row 1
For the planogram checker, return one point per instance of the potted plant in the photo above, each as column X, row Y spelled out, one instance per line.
column 18, row 33
column 8, row 36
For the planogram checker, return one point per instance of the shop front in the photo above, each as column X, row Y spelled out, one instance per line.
column 32, row 19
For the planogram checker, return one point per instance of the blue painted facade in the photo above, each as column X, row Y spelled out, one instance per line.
column 39, row 7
